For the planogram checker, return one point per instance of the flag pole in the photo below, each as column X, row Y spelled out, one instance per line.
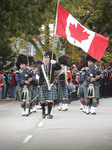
column 54, row 37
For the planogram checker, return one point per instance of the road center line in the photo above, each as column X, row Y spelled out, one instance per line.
column 40, row 124
column 27, row 138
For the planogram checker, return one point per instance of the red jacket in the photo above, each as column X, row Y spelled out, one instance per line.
column 12, row 82
column 69, row 76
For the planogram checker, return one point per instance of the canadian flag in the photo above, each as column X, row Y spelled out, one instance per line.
column 92, row 43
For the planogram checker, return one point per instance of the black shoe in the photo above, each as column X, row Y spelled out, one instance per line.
column 46, row 114
column 43, row 116
column 30, row 113
column 35, row 111
column 50, row 116
column 87, row 113
column 93, row 113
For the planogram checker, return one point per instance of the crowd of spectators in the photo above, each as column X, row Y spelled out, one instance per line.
column 8, row 84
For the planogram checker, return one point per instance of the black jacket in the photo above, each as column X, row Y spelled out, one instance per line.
column 41, row 75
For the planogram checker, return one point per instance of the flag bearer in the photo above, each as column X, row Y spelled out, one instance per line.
column 47, row 90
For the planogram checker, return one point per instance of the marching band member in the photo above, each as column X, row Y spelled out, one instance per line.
column 91, row 89
column 24, row 78
column 75, row 74
column 47, row 90
column 62, row 84
column 70, row 87
column 37, row 64
column 81, row 78
column 33, row 84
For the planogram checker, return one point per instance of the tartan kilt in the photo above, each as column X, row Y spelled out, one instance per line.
column 35, row 91
column 35, row 95
column 30, row 94
column 62, row 91
column 81, row 93
column 48, row 95
column 96, row 89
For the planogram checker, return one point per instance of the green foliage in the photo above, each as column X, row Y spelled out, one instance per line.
column 7, row 56
column 19, row 18
column 23, row 19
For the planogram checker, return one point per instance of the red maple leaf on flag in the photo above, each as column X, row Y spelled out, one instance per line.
column 77, row 32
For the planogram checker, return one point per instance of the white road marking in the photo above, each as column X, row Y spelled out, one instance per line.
column 30, row 136
column 27, row 138
column 40, row 124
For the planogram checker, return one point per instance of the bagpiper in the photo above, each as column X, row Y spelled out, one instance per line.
column 62, row 84
column 47, row 90
column 91, row 85
column 36, row 65
column 81, row 78
column 34, row 84
column 24, row 78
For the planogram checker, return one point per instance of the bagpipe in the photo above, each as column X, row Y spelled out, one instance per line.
column 88, row 74
column 25, row 91
column 25, row 94
column 91, row 88
column 28, row 73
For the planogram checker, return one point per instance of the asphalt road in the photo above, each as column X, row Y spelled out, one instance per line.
column 70, row 130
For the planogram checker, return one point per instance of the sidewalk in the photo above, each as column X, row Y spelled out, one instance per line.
column 8, row 99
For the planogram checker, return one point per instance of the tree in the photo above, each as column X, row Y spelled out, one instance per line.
column 7, row 56
column 20, row 18
column 25, row 19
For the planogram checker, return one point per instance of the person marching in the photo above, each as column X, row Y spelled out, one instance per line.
column 70, row 86
column 62, row 84
column 81, row 78
column 91, row 89
column 75, row 74
column 36, row 65
column 24, row 79
column 47, row 92
column 33, row 87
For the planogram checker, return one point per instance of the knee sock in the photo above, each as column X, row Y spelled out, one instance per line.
column 94, row 104
column 49, row 108
column 43, row 108
column 82, row 102
column 23, row 105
